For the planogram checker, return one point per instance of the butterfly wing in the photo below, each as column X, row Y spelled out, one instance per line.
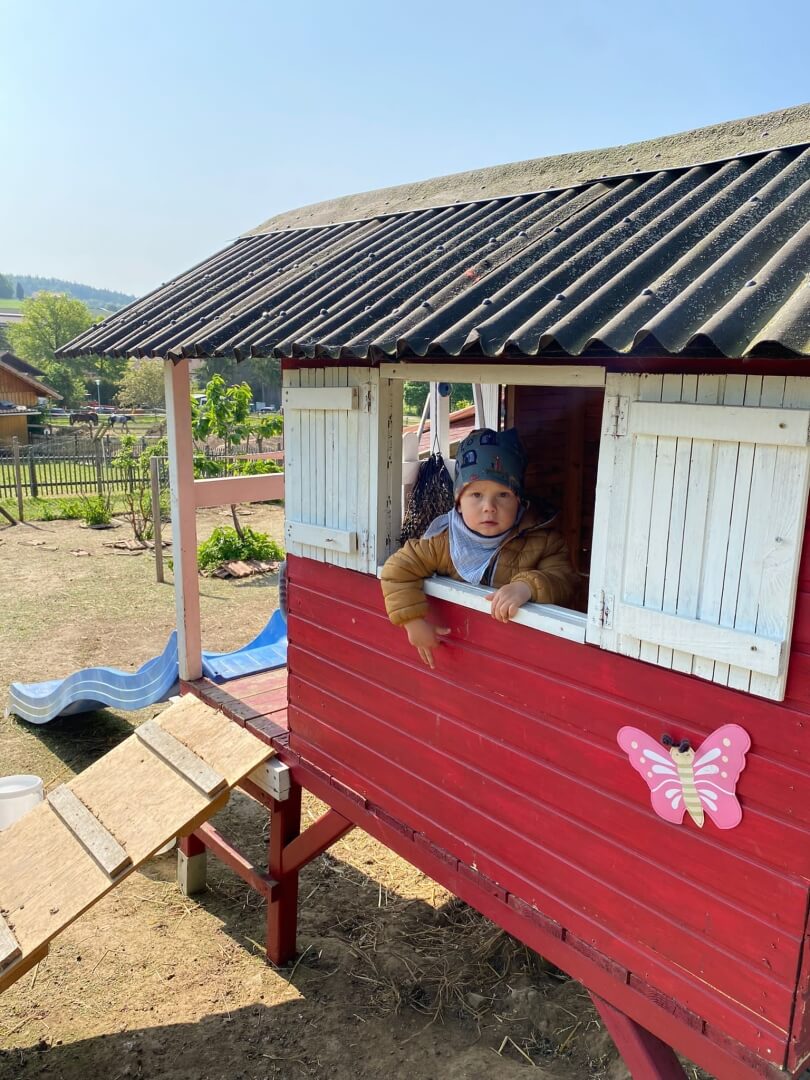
column 658, row 769
column 717, row 767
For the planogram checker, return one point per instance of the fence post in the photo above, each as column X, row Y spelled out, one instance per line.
column 15, row 445
column 32, row 474
column 100, row 469
column 157, row 535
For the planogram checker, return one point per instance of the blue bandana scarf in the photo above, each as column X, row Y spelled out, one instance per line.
column 470, row 553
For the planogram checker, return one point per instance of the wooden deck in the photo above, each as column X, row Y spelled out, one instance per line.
column 256, row 702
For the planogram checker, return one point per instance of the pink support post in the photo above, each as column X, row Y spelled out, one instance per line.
column 644, row 1054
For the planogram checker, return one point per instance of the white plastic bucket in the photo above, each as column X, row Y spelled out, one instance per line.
column 18, row 795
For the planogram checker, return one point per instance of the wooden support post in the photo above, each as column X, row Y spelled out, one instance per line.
column 18, row 476
column 32, row 475
column 282, row 910
column 318, row 837
column 99, row 450
column 191, row 865
column 439, row 422
column 644, row 1054
column 184, row 526
column 157, row 530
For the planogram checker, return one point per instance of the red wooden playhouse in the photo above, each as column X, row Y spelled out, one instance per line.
column 642, row 315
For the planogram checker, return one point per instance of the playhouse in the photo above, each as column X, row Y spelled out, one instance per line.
column 642, row 316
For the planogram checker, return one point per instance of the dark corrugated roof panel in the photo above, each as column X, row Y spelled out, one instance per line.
column 712, row 256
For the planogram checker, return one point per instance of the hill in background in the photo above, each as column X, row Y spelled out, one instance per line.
column 100, row 301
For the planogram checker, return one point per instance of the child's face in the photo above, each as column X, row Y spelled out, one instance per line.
column 488, row 508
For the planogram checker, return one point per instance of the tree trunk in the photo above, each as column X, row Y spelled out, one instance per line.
column 236, row 523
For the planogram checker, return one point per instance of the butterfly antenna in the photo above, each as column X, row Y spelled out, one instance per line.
column 667, row 740
column 684, row 746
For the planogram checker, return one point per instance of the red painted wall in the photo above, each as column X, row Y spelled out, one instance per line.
column 506, row 757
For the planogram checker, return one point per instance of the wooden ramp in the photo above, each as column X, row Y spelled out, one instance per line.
column 88, row 835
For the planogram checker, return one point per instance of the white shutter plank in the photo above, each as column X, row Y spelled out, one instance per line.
column 703, row 639
column 720, row 423
column 730, row 476
column 352, row 466
column 319, row 461
column 293, row 463
column 318, row 396
column 715, row 593
column 671, row 390
column 318, row 536
column 610, row 512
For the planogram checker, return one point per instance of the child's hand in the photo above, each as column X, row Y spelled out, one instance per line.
column 425, row 637
column 509, row 599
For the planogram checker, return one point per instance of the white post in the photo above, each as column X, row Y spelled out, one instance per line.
column 184, row 525
column 487, row 399
column 439, row 422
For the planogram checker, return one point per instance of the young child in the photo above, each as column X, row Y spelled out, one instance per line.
column 492, row 537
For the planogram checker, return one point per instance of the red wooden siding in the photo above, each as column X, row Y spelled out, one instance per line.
column 506, row 758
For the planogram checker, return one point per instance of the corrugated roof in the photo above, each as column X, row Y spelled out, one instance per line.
column 707, row 257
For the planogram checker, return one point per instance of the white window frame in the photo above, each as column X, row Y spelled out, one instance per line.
column 548, row 618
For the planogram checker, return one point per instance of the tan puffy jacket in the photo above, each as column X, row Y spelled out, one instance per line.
column 535, row 554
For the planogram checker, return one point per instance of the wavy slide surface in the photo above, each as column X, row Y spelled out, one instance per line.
column 97, row 687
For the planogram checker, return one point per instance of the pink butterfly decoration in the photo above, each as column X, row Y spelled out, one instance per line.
column 693, row 781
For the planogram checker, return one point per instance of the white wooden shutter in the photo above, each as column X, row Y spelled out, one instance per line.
column 699, row 523
column 341, row 462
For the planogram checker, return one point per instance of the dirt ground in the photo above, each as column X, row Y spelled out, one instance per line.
column 395, row 977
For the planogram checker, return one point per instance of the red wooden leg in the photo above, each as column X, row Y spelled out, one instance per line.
column 644, row 1054
column 191, row 845
column 282, row 910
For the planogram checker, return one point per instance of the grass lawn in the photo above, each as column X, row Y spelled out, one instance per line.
column 10, row 305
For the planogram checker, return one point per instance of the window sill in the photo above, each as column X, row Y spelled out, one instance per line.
column 551, row 619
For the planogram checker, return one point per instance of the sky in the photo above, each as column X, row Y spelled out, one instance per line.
column 136, row 139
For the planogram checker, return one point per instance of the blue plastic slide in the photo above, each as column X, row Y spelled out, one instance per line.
column 95, row 688
column 267, row 650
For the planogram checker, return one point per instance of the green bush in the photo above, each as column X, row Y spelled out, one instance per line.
column 224, row 545
column 95, row 510
column 55, row 510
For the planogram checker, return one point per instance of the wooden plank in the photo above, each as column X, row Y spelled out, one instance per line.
column 771, row 427
column 503, row 374
column 645, row 518
column 561, row 622
column 18, row 968
column 223, row 490
column 755, row 651
column 89, row 831
column 331, row 539
column 178, row 755
column 48, row 878
column 9, row 946
column 319, row 397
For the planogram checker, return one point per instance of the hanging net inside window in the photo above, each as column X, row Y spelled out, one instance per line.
column 431, row 496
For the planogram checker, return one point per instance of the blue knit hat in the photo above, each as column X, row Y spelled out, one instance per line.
column 490, row 455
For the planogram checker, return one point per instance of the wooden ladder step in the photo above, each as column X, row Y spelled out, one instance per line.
column 191, row 767
column 89, row 831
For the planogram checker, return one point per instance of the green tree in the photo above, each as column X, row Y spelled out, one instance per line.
column 414, row 394
column 6, row 290
column 20, row 291
column 49, row 321
column 63, row 378
column 266, row 427
column 142, row 384
column 225, row 415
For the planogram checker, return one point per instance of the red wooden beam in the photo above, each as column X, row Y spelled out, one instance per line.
column 282, row 909
column 312, row 843
column 644, row 1054
column 216, row 842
